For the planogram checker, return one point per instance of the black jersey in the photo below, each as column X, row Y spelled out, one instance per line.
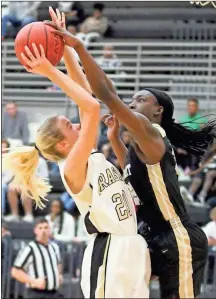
column 156, row 187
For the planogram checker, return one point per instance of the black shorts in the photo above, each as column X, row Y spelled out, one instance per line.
column 178, row 258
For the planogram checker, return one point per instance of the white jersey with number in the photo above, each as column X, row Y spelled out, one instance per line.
column 116, row 262
column 105, row 202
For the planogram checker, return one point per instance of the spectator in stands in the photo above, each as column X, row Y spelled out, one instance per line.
column 68, row 202
column 82, row 234
column 5, row 242
column 97, row 22
column 210, row 229
column 204, row 177
column 193, row 118
column 14, row 193
column 72, row 29
column 204, row 180
column 15, row 125
column 109, row 60
column 106, row 149
column 6, row 176
column 111, row 64
column 54, row 169
column 4, row 230
column 19, row 14
column 194, row 121
column 62, row 223
column 74, row 12
column 125, row 136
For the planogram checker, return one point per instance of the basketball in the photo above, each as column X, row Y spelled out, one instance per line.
column 39, row 33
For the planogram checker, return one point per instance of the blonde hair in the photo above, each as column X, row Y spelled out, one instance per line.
column 23, row 162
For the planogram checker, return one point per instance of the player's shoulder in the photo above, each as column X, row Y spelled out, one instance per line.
column 152, row 126
column 160, row 130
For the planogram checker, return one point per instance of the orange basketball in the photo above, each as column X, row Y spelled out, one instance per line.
column 39, row 33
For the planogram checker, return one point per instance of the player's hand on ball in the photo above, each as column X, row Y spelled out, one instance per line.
column 69, row 39
column 36, row 62
column 57, row 17
column 113, row 126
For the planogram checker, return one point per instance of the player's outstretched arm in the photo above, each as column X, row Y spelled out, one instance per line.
column 76, row 162
column 73, row 67
column 74, row 70
column 70, row 56
column 113, row 135
column 145, row 135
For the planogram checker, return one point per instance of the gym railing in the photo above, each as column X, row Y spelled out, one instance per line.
column 185, row 69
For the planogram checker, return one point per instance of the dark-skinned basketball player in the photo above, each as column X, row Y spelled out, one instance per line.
column 178, row 246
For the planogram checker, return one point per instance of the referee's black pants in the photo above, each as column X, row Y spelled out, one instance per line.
column 35, row 293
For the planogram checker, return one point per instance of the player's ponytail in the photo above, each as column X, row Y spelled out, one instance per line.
column 193, row 141
column 23, row 163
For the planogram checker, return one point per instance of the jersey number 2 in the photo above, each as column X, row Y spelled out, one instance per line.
column 122, row 207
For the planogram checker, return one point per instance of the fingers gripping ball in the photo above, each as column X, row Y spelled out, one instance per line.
column 40, row 33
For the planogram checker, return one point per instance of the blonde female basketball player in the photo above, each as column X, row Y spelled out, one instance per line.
column 116, row 262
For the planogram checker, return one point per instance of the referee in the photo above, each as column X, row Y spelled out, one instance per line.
column 38, row 265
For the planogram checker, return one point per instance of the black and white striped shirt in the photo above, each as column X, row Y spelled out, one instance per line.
column 39, row 261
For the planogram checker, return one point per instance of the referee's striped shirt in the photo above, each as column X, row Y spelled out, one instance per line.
column 39, row 261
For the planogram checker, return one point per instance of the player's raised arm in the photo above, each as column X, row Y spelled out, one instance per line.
column 113, row 135
column 73, row 67
column 75, row 167
column 70, row 56
column 146, row 136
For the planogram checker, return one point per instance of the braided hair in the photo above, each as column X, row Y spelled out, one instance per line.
column 193, row 141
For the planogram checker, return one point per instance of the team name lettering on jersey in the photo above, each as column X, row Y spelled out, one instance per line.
column 109, row 177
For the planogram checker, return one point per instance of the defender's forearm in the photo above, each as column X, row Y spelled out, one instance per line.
column 98, row 80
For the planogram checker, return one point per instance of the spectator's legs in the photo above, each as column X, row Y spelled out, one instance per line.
column 4, row 193
column 194, row 162
column 27, row 21
column 8, row 19
column 196, row 183
column 208, row 182
column 13, row 203
column 27, row 206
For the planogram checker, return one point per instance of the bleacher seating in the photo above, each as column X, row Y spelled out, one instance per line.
column 184, row 69
column 157, row 19
column 145, row 19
